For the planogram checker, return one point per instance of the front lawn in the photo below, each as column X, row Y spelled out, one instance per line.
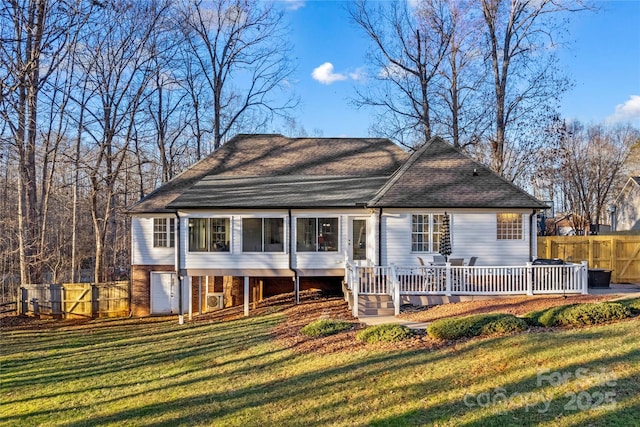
column 154, row 372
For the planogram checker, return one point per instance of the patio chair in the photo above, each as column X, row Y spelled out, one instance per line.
column 456, row 261
column 439, row 260
column 472, row 261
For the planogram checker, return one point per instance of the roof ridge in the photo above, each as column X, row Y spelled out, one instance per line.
column 402, row 170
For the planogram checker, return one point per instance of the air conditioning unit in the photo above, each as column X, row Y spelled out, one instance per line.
column 215, row 301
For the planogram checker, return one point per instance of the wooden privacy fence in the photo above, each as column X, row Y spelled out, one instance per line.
column 619, row 253
column 110, row 299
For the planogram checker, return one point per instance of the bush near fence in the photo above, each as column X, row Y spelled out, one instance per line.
column 72, row 300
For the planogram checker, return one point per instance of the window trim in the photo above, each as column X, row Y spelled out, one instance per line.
column 506, row 230
column 316, row 233
column 431, row 224
column 209, row 234
column 167, row 234
column 283, row 235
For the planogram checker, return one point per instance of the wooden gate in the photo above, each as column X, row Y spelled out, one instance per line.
column 77, row 300
column 619, row 253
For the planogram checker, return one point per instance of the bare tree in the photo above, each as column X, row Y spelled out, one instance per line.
column 406, row 58
column 33, row 36
column 116, row 62
column 521, row 37
column 242, row 54
column 585, row 167
column 462, row 115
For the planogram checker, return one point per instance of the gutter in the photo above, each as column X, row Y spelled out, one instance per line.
column 533, row 235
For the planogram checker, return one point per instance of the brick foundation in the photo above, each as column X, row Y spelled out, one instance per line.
column 141, row 287
column 232, row 287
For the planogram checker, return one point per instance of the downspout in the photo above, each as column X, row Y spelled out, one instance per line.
column 296, row 283
column 533, row 236
column 380, row 237
column 178, row 274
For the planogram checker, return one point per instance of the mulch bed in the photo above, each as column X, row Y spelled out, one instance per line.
column 315, row 305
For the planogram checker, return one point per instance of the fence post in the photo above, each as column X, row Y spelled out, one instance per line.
column 529, row 269
column 585, row 278
column 24, row 301
column 447, row 283
column 95, row 301
column 36, row 307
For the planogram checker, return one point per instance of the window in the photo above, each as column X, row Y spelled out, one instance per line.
column 509, row 226
column 164, row 232
column 209, row 234
column 317, row 234
column 262, row 235
column 426, row 232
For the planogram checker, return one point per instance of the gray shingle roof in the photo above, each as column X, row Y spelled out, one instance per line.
column 292, row 191
column 272, row 171
column 439, row 176
column 276, row 155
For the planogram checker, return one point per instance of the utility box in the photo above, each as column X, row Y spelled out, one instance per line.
column 599, row 278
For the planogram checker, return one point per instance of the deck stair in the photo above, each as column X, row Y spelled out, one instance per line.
column 375, row 305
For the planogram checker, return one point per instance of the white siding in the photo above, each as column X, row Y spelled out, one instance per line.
column 628, row 209
column 473, row 233
column 142, row 250
column 236, row 259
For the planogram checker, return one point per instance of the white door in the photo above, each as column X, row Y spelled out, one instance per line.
column 164, row 293
column 358, row 239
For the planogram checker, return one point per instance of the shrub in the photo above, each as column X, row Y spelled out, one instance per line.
column 579, row 314
column 472, row 326
column 633, row 304
column 533, row 318
column 504, row 325
column 389, row 332
column 324, row 327
column 591, row 314
column 551, row 316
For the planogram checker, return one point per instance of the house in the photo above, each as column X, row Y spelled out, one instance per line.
column 266, row 214
column 625, row 211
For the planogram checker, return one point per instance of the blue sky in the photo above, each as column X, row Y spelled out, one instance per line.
column 603, row 63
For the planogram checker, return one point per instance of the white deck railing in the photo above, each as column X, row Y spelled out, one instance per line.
column 457, row 280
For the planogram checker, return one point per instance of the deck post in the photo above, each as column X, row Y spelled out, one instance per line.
column 246, row 296
column 584, row 278
column 447, row 286
column 355, row 285
column 529, row 278
column 395, row 288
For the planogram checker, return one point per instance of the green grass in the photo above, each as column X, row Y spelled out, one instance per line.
column 158, row 373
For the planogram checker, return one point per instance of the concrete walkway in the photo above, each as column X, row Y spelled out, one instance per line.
column 625, row 290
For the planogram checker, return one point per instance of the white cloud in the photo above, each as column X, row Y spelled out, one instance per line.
column 627, row 112
column 294, row 4
column 358, row 75
column 392, row 71
column 325, row 75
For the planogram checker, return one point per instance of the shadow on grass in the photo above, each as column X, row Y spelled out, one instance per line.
column 233, row 374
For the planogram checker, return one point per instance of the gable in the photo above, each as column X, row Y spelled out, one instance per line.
column 439, row 176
